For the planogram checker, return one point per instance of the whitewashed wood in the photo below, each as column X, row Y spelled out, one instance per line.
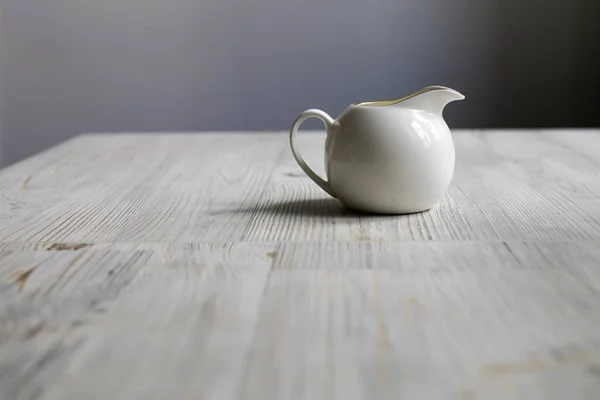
column 507, row 186
column 138, row 188
column 306, row 320
column 207, row 266
column 227, row 187
column 158, row 304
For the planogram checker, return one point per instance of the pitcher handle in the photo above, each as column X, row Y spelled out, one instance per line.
column 329, row 123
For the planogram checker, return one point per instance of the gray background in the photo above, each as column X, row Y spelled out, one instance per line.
column 72, row 66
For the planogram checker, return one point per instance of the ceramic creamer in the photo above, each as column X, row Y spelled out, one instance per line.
column 389, row 156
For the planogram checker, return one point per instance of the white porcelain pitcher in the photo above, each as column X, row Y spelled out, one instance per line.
column 387, row 157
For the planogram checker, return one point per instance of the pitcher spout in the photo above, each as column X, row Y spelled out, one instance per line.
column 432, row 99
column 442, row 92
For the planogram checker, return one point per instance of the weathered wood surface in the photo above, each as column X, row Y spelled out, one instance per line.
column 208, row 267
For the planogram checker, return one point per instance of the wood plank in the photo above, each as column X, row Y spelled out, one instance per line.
column 192, row 302
column 326, row 320
column 423, row 320
column 208, row 266
column 186, row 188
column 507, row 186
column 136, row 188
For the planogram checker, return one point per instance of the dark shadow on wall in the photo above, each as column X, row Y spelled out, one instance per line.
column 546, row 64
column 586, row 88
column 3, row 160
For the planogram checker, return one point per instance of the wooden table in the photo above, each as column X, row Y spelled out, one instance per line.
column 181, row 266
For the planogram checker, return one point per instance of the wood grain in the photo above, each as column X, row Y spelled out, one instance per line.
column 324, row 320
column 507, row 186
column 150, row 266
column 186, row 188
column 138, row 188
